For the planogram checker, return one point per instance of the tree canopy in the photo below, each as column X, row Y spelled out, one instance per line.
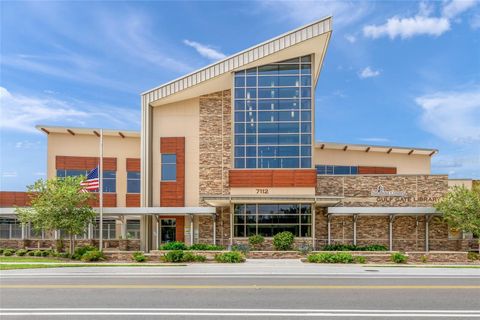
column 58, row 204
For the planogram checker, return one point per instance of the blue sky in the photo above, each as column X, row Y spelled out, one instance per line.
column 396, row 73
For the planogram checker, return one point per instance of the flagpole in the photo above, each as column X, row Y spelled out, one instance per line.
column 100, row 181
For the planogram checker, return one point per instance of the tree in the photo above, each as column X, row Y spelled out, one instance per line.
column 461, row 210
column 58, row 204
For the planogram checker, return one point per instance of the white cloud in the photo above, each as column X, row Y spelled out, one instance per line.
column 453, row 116
column 205, row 50
column 9, row 174
column 350, row 38
column 368, row 73
column 26, row 144
column 456, row 7
column 420, row 24
column 22, row 113
column 375, row 140
column 408, row 27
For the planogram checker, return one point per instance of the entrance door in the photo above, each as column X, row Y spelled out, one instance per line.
column 168, row 230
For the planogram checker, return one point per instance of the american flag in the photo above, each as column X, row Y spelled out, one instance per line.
column 92, row 183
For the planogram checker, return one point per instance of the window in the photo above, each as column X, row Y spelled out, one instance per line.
column 109, row 177
column 273, row 115
column 109, row 230
column 168, row 229
column 269, row 219
column 133, row 229
column 133, row 182
column 10, row 228
column 329, row 169
column 169, row 167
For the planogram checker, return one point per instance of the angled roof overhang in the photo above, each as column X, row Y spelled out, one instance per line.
column 310, row 39
column 87, row 131
column 375, row 148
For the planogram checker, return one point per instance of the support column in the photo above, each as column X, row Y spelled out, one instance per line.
column 90, row 231
column 355, row 217
column 427, row 227
column 313, row 227
column 231, row 225
column 24, row 231
column 214, row 217
column 390, row 232
column 329, row 218
column 146, row 233
column 192, row 234
column 123, row 227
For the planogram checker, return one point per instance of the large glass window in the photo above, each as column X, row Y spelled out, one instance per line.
column 10, row 228
column 109, row 177
column 269, row 219
column 133, row 229
column 169, row 167
column 133, row 182
column 273, row 115
column 331, row 169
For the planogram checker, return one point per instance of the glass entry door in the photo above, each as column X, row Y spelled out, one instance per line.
column 168, row 230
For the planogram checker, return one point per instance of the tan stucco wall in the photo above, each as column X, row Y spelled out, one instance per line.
column 405, row 164
column 81, row 145
column 467, row 183
column 179, row 119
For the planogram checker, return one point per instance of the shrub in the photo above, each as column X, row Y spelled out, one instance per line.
column 243, row 248
column 256, row 241
column 174, row 256
column 360, row 259
column 191, row 257
column 64, row 255
column 205, row 247
column 138, row 256
column 230, row 257
column 1, row 251
column 93, row 255
column 8, row 252
column 351, row 247
column 424, row 259
column 327, row 257
column 283, row 240
column 31, row 253
column 37, row 253
column 21, row 252
column 398, row 257
column 305, row 248
column 80, row 251
column 174, row 245
column 473, row 256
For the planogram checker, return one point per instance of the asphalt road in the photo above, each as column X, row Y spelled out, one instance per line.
column 255, row 290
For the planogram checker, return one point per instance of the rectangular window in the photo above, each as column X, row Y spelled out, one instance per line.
column 269, row 219
column 169, row 167
column 109, row 177
column 273, row 115
column 133, row 182
column 133, row 229
column 340, row 170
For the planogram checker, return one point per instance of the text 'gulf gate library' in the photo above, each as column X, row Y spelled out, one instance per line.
column 228, row 151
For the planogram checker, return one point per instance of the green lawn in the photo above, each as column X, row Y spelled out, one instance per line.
column 425, row 266
column 30, row 259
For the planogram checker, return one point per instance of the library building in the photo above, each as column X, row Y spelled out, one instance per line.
column 229, row 151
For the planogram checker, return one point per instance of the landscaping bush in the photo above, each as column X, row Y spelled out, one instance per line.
column 64, row 255
column 398, row 257
column 174, row 256
column 351, row 247
column 191, row 257
column 473, row 256
column 360, row 259
column 1, row 251
column 424, row 259
column 256, row 241
column 30, row 253
column 230, row 257
column 283, row 241
column 305, row 248
column 8, row 252
column 243, row 248
column 93, row 255
column 138, row 256
column 174, row 245
column 21, row 252
column 327, row 257
column 205, row 247
column 38, row 253
column 80, row 251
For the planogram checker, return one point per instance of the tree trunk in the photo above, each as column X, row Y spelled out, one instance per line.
column 72, row 244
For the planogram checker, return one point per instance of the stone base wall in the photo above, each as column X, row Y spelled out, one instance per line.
column 129, row 244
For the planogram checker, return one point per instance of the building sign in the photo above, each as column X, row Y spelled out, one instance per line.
column 381, row 192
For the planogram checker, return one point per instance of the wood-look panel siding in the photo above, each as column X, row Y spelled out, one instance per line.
column 172, row 193
column 12, row 198
column 109, row 200
column 376, row 170
column 84, row 163
column 273, row 178
column 133, row 164
column 132, row 199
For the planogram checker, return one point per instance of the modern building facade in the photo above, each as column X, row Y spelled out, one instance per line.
column 228, row 151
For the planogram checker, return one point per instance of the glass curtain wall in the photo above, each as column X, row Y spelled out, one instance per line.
column 273, row 115
column 269, row 219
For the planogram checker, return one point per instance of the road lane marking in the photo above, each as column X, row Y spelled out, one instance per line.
column 210, row 287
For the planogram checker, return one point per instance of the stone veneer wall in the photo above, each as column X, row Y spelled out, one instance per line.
column 215, row 161
column 408, row 231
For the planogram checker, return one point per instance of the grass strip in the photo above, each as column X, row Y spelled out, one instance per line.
column 426, row 266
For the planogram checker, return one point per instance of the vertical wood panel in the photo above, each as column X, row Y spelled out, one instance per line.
column 172, row 193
